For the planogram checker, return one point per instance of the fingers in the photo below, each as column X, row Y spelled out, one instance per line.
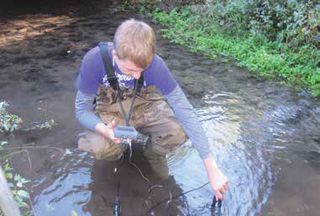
column 225, row 187
column 111, row 127
column 116, row 140
column 222, row 190
column 218, row 195
column 112, row 124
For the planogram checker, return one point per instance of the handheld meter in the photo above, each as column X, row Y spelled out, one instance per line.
column 125, row 132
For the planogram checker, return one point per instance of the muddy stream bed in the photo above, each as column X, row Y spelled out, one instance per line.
column 264, row 135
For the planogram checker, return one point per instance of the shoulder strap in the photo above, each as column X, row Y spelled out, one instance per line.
column 140, row 82
column 112, row 79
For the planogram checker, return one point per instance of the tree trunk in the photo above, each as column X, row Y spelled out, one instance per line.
column 7, row 204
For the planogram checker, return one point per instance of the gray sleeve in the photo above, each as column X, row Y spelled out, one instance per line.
column 84, row 110
column 189, row 121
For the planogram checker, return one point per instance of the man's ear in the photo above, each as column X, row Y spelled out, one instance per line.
column 114, row 53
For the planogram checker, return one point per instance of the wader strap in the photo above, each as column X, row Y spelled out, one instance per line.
column 140, row 82
column 112, row 79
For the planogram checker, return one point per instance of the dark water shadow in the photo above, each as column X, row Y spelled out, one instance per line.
column 13, row 8
column 137, row 196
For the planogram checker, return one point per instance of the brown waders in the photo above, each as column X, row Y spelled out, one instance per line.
column 151, row 116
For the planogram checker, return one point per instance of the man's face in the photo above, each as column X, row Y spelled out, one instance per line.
column 128, row 68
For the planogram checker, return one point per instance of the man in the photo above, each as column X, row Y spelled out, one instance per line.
column 128, row 76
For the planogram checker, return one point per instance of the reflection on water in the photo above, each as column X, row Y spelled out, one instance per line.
column 69, row 191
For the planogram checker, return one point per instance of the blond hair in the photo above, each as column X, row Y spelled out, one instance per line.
column 135, row 41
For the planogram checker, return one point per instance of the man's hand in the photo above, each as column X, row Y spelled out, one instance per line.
column 107, row 130
column 218, row 181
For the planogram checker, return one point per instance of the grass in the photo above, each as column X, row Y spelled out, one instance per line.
column 267, row 58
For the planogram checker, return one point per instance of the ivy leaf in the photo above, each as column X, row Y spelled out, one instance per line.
column 23, row 193
column 74, row 213
column 3, row 143
column 8, row 175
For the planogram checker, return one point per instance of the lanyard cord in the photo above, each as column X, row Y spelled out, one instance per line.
column 127, row 118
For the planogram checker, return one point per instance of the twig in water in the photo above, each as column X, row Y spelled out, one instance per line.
column 35, row 147
column 32, row 208
column 12, row 153
column 29, row 160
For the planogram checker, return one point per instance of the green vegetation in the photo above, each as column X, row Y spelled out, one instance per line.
column 9, row 123
column 17, row 186
column 276, row 39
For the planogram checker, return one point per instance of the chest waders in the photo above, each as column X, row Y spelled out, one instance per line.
column 120, row 131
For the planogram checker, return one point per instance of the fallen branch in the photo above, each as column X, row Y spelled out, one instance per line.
column 34, row 147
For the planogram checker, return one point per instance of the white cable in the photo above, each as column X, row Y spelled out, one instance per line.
column 145, row 178
column 133, row 164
